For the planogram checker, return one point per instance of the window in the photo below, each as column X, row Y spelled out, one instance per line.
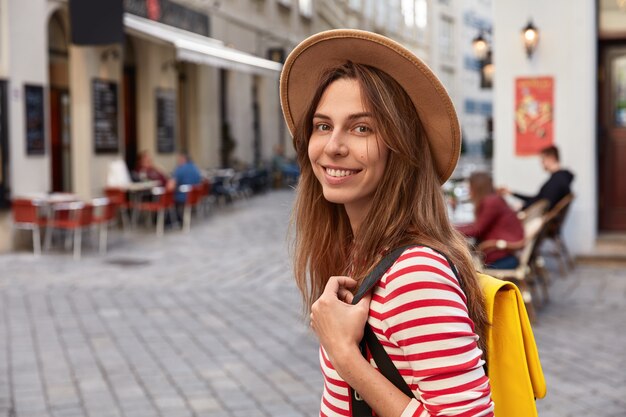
column 368, row 9
column 446, row 38
column 408, row 12
column 394, row 16
column 421, row 13
column 306, row 8
column 381, row 13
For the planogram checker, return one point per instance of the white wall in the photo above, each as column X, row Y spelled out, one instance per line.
column 150, row 76
column 240, row 115
column 89, row 169
column 4, row 38
column 25, row 39
column 271, row 117
column 204, row 132
column 567, row 52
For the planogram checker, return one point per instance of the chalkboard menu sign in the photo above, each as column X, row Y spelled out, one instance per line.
column 35, row 120
column 4, row 147
column 166, row 120
column 105, row 116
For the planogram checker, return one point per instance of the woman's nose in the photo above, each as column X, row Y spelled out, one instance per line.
column 336, row 145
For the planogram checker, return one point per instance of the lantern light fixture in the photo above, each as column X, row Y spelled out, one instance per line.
column 480, row 46
column 530, row 35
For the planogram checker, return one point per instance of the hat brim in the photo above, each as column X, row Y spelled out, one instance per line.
column 305, row 64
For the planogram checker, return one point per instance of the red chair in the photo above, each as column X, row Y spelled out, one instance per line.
column 205, row 197
column 164, row 201
column 26, row 216
column 119, row 198
column 70, row 217
column 193, row 199
column 104, row 214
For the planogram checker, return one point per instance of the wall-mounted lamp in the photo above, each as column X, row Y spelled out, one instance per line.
column 480, row 46
column 530, row 35
column 111, row 53
column 482, row 52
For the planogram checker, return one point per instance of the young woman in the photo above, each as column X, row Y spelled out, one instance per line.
column 376, row 135
column 496, row 227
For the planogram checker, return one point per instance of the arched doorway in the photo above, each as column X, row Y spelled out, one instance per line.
column 130, row 104
column 59, row 121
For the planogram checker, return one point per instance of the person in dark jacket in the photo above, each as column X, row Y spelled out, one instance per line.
column 553, row 190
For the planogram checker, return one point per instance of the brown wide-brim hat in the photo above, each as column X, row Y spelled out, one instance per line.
column 301, row 73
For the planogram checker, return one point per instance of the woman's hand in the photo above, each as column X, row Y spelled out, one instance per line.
column 338, row 324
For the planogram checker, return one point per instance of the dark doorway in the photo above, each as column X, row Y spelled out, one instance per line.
column 183, row 111
column 130, row 117
column 4, row 146
column 60, row 143
column 612, row 137
column 60, row 117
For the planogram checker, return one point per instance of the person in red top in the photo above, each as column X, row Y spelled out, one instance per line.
column 147, row 171
column 494, row 221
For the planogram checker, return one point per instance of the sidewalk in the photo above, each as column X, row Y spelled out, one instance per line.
column 208, row 324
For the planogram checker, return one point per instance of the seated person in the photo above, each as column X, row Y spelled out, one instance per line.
column 289, row 170
column 146, row 171
column 494, row 221
column 553, row 190
column 185, row 173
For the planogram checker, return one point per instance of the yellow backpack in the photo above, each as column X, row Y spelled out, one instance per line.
column 513, row 363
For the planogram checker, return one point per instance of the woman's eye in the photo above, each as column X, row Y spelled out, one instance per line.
column 322, row 127
column 362, row 129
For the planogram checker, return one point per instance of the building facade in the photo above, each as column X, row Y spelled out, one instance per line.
column 567, row 58
column 199, row 76
column 453, row 24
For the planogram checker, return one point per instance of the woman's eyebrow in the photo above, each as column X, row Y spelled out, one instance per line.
column 350, row 117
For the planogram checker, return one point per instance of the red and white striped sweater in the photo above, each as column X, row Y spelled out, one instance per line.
column 419, row 313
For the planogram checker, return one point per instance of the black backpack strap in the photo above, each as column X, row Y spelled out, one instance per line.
column 385, row 365
column 379, row 270
column 359, row 407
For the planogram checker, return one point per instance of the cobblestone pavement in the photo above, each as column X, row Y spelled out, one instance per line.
column 208, row 324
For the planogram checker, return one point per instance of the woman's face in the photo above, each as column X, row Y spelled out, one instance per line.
column 347, row 157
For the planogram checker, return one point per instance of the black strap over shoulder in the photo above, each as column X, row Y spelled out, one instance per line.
column 359, row 407
column 379, row 270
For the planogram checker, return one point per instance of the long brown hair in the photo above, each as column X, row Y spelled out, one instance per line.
column 407, row 207
column 481, row 185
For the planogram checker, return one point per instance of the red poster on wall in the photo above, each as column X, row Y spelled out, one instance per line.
column 534, row 114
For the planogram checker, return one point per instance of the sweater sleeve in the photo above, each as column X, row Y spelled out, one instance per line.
column 425, row 315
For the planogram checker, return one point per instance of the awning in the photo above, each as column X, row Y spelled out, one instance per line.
column 199, row 49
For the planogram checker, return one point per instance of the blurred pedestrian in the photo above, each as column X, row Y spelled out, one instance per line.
column 145, row 170
column 496, row 225
column 287, row 170
column 185, row 173
column 376, row 135
column 555, row 188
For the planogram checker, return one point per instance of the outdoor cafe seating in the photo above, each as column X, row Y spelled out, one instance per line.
column 72, row 217
column 556, row 217
column 162, row 203
column 27, row 216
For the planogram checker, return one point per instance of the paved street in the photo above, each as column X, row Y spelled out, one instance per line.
column 209, row 324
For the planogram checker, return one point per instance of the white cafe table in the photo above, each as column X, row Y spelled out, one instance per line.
column 140, row 186
column 50, row 198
